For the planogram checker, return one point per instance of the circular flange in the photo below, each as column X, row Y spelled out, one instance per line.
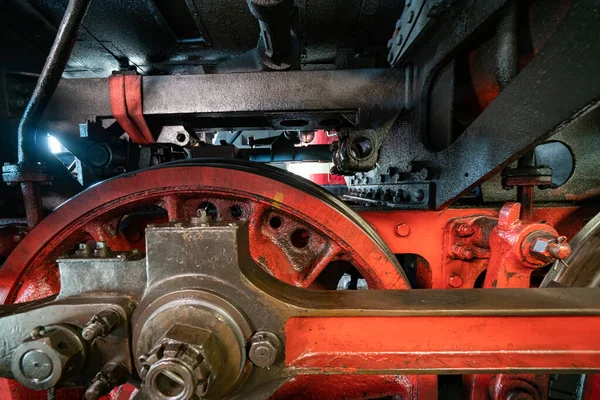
column 200, row 309
column 170, row 379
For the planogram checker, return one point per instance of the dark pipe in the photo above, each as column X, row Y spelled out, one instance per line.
column 44, row 89
column 278, row 48
column 507, row 69
column 32, row 202
column 49, row 78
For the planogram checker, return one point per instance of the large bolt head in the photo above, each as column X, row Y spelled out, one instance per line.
column 36, row 365
column 170, row 379
column 264, row 349
column 180, row 367
column 402, row 230
column 544, row 248
column 43, row 361
column 455, row 281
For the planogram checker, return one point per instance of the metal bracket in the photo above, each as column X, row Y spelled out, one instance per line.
column 125, row 91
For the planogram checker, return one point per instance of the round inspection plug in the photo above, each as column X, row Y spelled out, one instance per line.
column 36, row 365
column 455, row 281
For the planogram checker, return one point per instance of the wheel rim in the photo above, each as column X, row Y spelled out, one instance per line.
column 582, row 267
column 316, row 228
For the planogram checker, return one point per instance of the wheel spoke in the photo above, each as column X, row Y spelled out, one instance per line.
column 333, row 252
column 174, row 207
column 107, row 233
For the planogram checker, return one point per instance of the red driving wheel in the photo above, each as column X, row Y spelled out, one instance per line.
column 298, row 232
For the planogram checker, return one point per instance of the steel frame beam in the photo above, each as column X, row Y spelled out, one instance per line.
column 553, row 89
column 372, row 98
column 523, row 115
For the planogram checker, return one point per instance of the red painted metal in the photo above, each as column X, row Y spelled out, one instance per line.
column 591, row 387
column 442, row 343
column 429, row 233
column 326, row 179
column 95, row 213
column 10, row 389
column 125, row 92
column 512, row 260
column 511, row 264
column 475, row 387
column 354, row 387
column 439, row 238
column 30, row 272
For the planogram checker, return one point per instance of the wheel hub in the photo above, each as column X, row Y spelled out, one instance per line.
column 298, row 232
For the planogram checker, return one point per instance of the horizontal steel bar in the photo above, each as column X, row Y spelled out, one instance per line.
column 378, row 95
column 443, row 344
column 296, row 302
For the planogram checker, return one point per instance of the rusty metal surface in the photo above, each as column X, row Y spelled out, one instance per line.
column 440, row 344
column 163, row 37
column 351, row 387
column 19, row 321
column 368, row 98
column 199, row 264
column 179, row 190
column 523, row 115
column 581, row 138
column 518, row 113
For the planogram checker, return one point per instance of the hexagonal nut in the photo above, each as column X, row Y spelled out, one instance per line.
column 201, row 344
column 545, row 248
column 264, row 349
column 189, row 352
column 43, row 361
